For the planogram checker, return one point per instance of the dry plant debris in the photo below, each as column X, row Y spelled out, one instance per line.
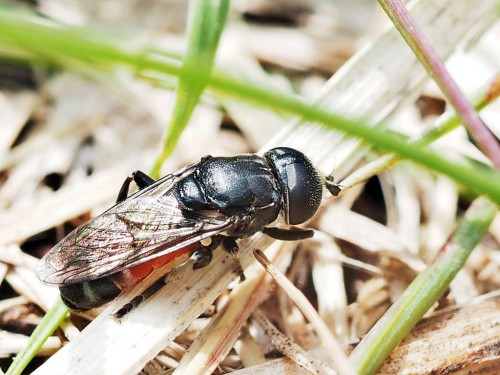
column 67, row 141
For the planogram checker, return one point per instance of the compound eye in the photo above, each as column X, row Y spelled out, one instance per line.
column 304, row 193
column 299, row 182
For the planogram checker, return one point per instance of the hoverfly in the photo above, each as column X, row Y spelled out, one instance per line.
column 192, row 210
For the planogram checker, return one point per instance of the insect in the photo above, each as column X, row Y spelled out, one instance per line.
column 190, row 211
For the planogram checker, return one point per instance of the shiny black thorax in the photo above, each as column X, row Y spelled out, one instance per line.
column 243, row 187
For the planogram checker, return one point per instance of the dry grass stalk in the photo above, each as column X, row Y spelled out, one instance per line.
column 464, row 340
column 328, row 340
column 214, row 343
column 373, row 85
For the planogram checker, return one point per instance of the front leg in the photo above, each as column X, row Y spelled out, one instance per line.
column 292, row 234
column 141, row 179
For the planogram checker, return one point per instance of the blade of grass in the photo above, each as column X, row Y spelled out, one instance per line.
column 425, row 290
column 205, row 25
column 482, row 181
column 428, row 56
column 443, row 125
column 50, row 322
column 79, row 44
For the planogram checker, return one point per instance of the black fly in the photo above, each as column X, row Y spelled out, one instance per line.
column 193, row 210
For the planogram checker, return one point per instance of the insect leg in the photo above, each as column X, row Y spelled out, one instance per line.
column 141, row 179
column 229, row 244
column 203, row 256
column 125, row 309
column 292, row 234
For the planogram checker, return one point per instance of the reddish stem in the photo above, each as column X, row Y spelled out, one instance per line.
column 429, row 58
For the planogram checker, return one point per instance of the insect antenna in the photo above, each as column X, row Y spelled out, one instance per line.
column 332, row 186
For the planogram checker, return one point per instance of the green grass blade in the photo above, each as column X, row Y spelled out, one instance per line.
column 430, row 60
column 50, row 322
column 480, row 180
column 52, row 39
column 205, row 25
column 443, row 125
column 425, row 290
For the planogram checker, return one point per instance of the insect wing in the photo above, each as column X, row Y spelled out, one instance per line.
column 145, row 226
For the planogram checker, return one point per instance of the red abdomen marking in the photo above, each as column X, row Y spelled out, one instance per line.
column 130, row 277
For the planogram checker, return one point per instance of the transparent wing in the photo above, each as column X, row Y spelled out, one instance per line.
column 145, row 226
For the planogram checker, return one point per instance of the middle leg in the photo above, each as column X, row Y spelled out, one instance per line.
column 140, row 178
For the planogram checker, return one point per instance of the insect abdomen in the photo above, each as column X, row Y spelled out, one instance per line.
column 94, row 293
column 89, row 294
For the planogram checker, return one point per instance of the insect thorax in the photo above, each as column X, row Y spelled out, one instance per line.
column 243, row 187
